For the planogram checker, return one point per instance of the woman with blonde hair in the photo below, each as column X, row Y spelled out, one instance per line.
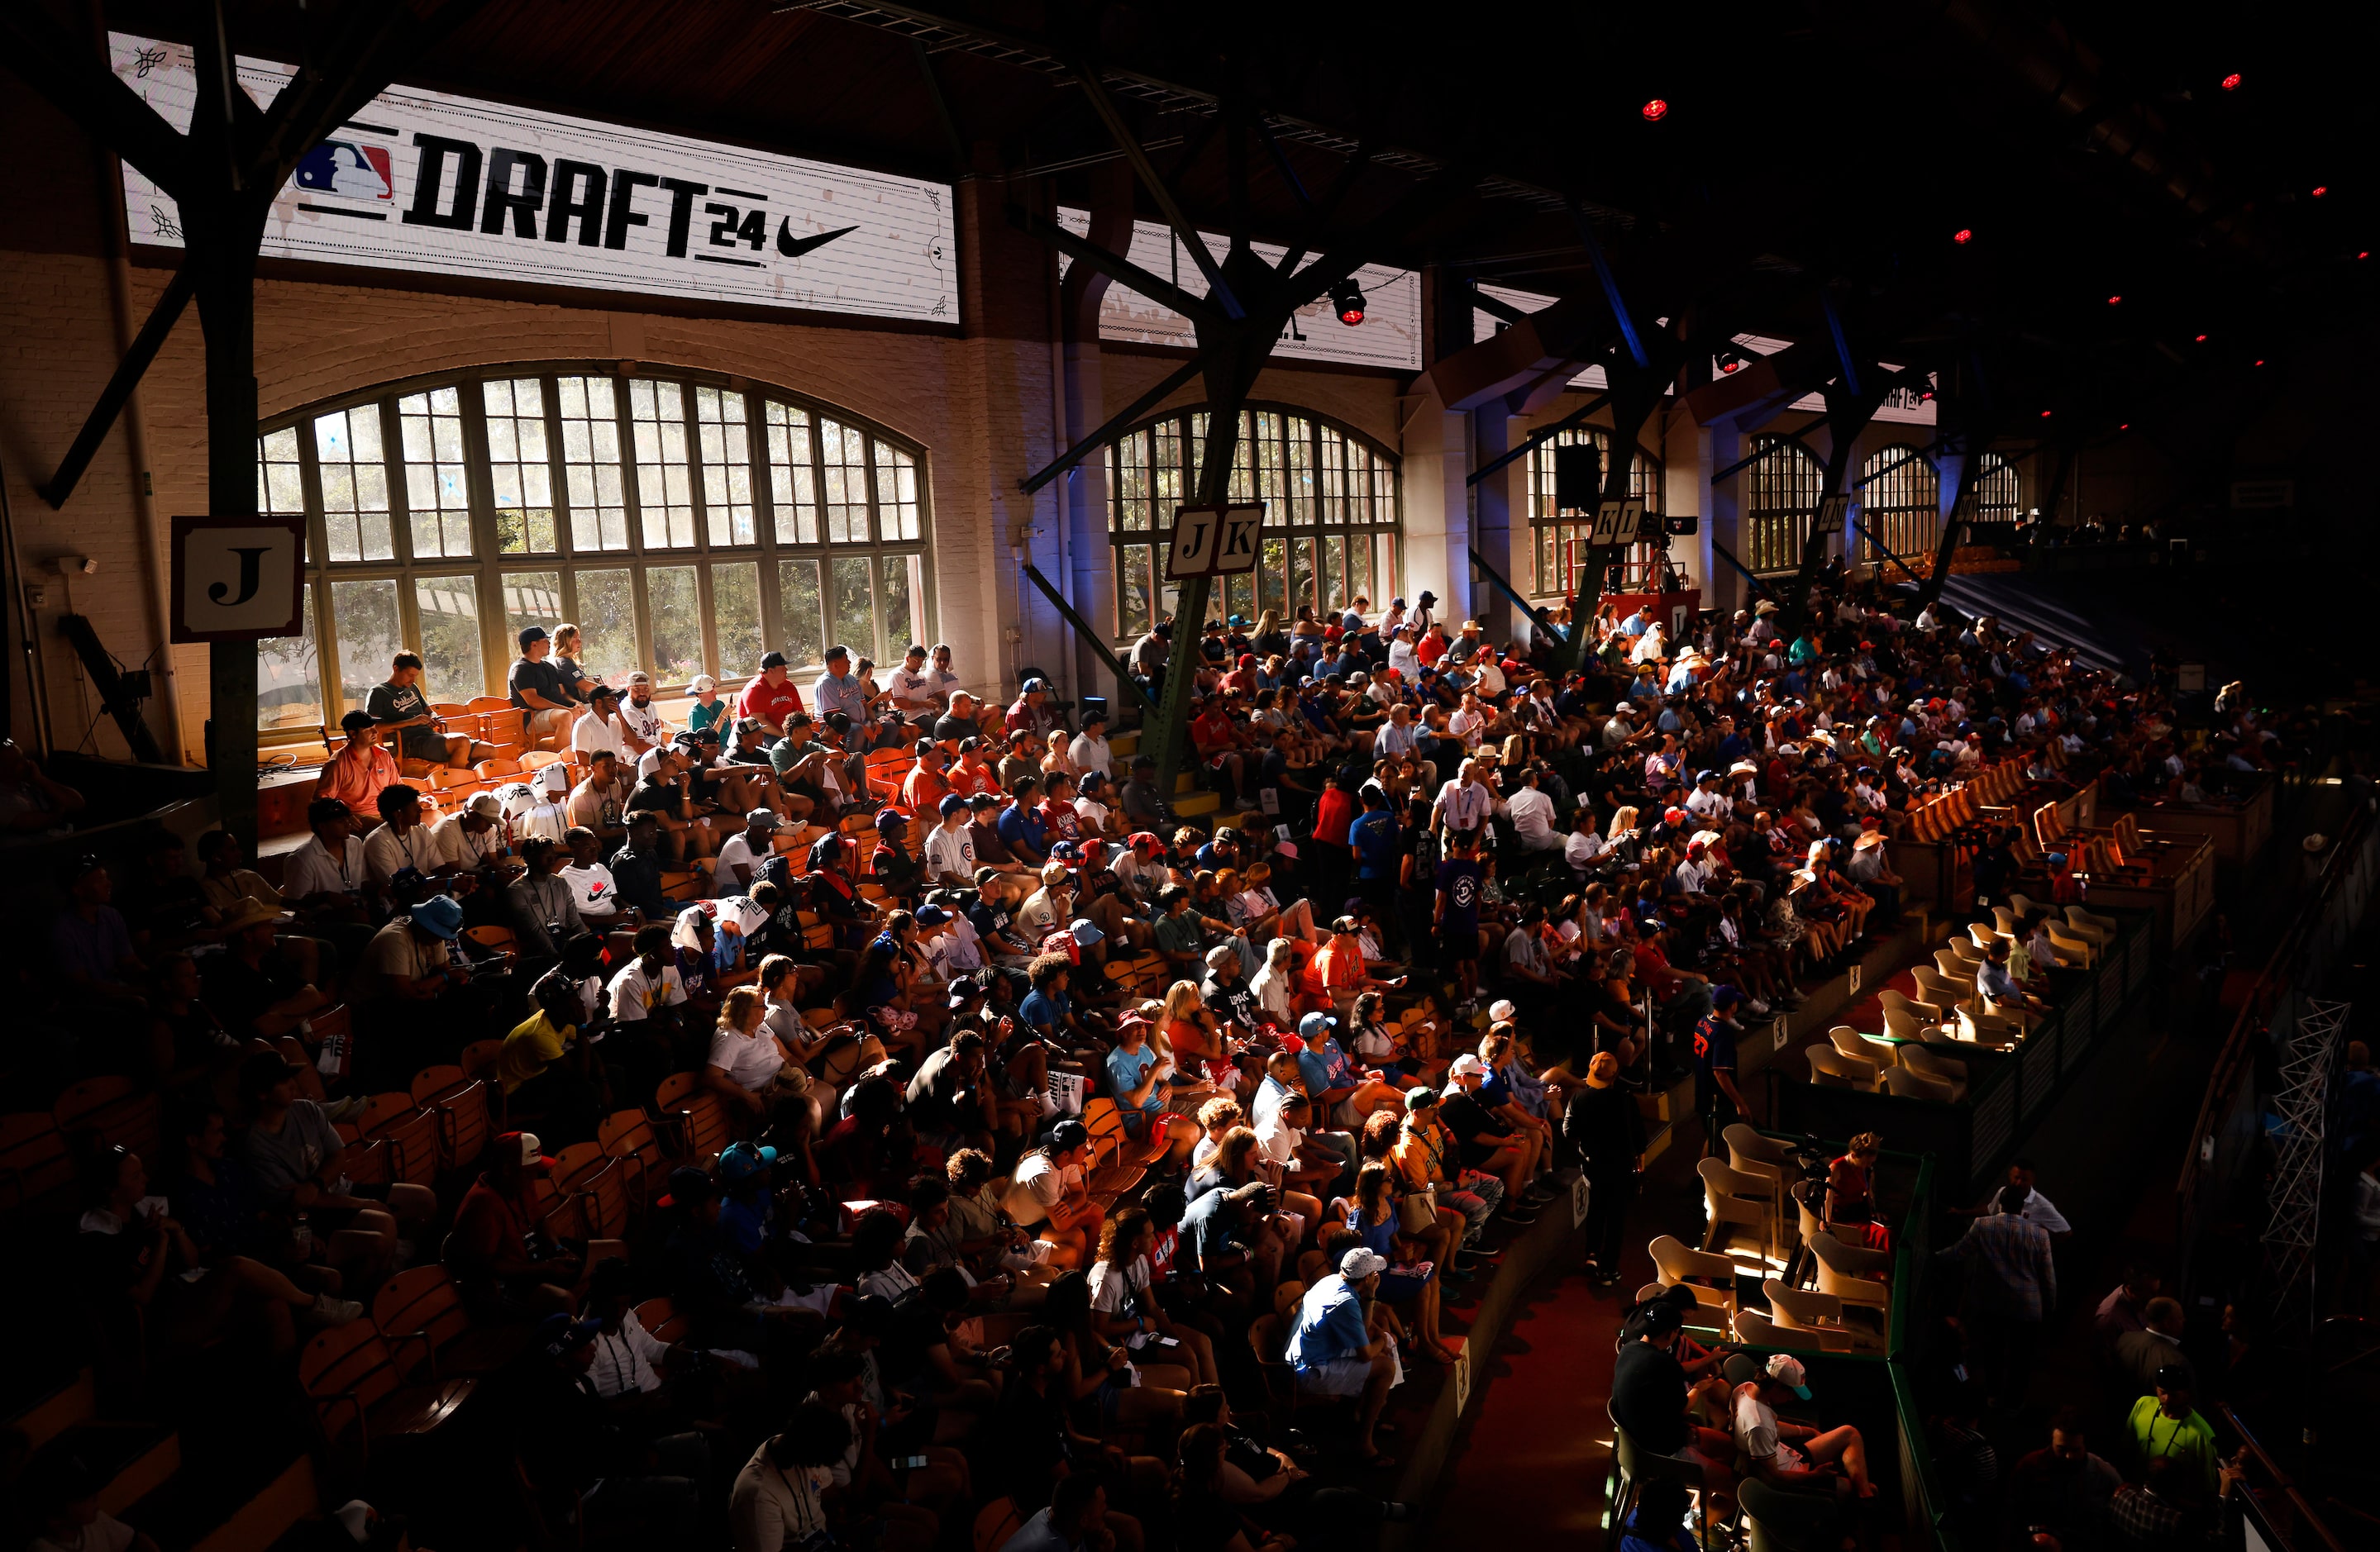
column 1193, row 1036
column 747, row 1066
column 1217, row 1116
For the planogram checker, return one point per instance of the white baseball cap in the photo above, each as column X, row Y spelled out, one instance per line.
column 1359, row 1263
column 1466, row 1064
column 1503, row 1012
column 1786, row 1370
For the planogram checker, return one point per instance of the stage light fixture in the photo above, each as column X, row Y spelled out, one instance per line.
column 1655, row 111
column 2115, row 302
column 2125, row 426
column 2320, row 189
column 2200, row 339
column 1964, row 235
column 1732, row 360
column 2044, row 415
column 1347, row 300
column 2231, row 81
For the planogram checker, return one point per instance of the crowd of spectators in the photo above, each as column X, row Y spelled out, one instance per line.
column 1049, row 1123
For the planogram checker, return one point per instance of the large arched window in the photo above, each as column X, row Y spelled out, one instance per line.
column 1780, row 505
column 1558, row 540
column 1330, row 525
column 2000, row 490
column 1900, row 505
column 686, row 523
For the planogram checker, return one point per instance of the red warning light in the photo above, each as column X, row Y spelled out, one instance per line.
column 2115, row 302
column 2044, row 415
column 2320, row 189
column 2200, row 339
column 2231, row 81
column 1964, row 235
column 1655, row 111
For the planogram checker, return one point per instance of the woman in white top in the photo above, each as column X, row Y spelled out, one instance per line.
column 775, row 1504
column 748, row 1066
column 1123, row 1312
column 1275, row 984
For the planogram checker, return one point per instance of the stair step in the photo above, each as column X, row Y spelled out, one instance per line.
column 135, row 1459
column 1124, row 744
column 1196, row 804
column 75, row 1400
column 228, row 1511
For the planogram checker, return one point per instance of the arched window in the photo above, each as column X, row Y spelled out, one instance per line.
column 685, row 522
column 1780, row 505
column 1900, row 505
column 1331, row 515
column 2000, row 490
column 1558, row 540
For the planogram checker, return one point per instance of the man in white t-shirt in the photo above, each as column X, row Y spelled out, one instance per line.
column 1047, row 1193
column 950, row 851
column 1792, row 1454
column 1585, row 842
column 1089, row 749
column 471, row 837
column 548, row 817
column 911, row 688
column 742, row 853
column 1532, row 810
column 648, row 981
column 331, row 862
column 957, row 949
column 641, row 726
column 593, row 888
column 599, row 727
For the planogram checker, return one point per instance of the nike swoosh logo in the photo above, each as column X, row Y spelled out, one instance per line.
column 793, row 247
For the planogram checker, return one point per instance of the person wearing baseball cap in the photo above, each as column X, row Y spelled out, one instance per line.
column 1786, row 1454
column 1049, row 1191
column 1484, row 1145
column 1333, row 1351
column 502, row 1280
column 923, row 788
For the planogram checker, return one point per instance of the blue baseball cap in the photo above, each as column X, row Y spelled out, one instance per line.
column 932, row 916
column 953, row 804
column 1725, row 997
column 440, row 914
column 740, row 1162
column 1315, row 1024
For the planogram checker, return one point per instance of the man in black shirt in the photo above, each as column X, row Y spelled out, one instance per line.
column 1484, row 1145
column 404, row 718
column 537, row 687
column 1648, row 1398
column 637, row 866
column 1227, row 992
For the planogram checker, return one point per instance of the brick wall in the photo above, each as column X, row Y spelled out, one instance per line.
column 982, row 405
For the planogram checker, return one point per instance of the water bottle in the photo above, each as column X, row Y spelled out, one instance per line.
column 301, row 1237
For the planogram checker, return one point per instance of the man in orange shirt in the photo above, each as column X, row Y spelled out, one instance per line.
column 972, row 775
column 923, row 789
column 358, row 773
column 1339, row 968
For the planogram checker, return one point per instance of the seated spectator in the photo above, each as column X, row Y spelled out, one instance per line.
column 505, row 1272
column 360, row 770
column 90, row 943
column 547, row 1069
column 402, row 713
column 1333, row 1351
column 537, row 687
column 31, row 803
column 293, row 1152
column 1048, row 1192
column 1792, row 1454
column 401, row 843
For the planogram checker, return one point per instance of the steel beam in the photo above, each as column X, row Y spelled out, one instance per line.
column 120, row 386
column 1125, row 272
column 1096, row 91
column 1114, row 423
column 1539, row 437
column 1086, row 634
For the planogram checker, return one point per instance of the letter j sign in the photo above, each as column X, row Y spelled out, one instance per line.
column 237, row 579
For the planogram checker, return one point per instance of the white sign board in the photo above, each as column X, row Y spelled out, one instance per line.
column 1214, row 540
column 238, row 579
column 1615, row 522
column 422, row 182
column 1389, row 336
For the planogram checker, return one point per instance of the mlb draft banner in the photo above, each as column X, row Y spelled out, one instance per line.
column 421, row 181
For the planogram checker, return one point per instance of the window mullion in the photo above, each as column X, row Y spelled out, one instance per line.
column 479, row 488
column 691, row 423
column 400, row 504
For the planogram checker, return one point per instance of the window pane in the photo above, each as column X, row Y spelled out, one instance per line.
column 900, row 588
column 797, row 606
column 1301, row 572
column 518, row 466
column 675, row 610
column 1334, row 573
column 279, row 485
column 1300, row 509
column 1239, row 596
column 1271, row 488
column 846, row 452
column 735, row 615
column 290, row 674
column 590, row 463
column 793, row 479
column 1271, row 579
column 1165, row 472
column 355, row 484
column 435, row 495
column 531, row 598
column 853, row 619
column 665, row 483
column 364, row 622
column 726, row 465
column 607, row 625
column 452, row 667
column 1128, row 476
column 896, row 493
column 1132, row 588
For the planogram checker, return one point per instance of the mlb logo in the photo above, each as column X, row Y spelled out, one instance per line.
column 348, row 169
